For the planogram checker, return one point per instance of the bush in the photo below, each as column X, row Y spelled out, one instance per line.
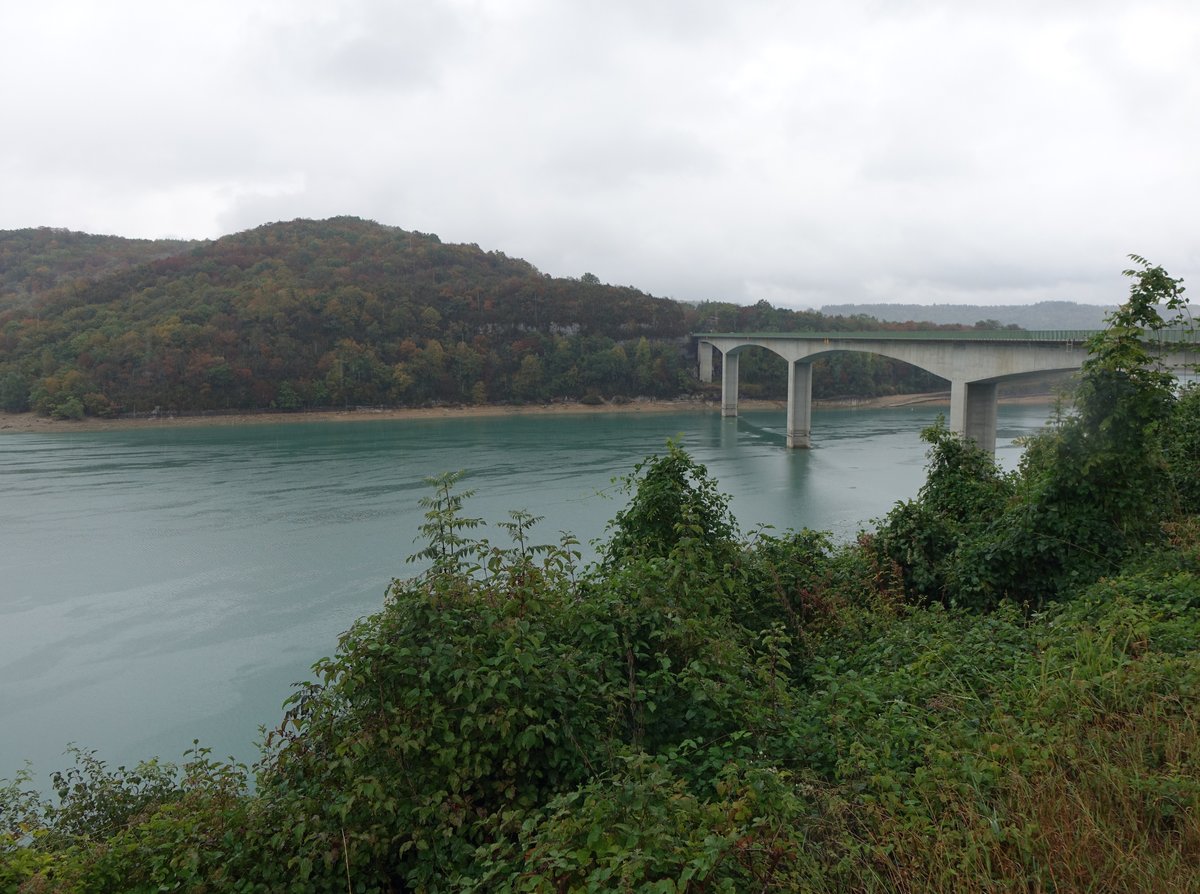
column 964, row 491
column 1181, row 449
column 675, row 509
column 68, row 408
column 645, row 829
column 1091, row 491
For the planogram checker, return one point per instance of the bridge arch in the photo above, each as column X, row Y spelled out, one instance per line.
column 840, row 364
column 974, row 364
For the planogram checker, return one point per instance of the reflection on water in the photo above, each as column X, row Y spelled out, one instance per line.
column 161, row 585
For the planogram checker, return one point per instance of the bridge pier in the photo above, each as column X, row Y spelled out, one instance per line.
column 799, row 405
column 973, row 412
column 973, row 362
column 729, row 383
column 706, row 361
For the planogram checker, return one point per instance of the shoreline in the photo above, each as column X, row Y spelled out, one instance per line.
column 26, row 423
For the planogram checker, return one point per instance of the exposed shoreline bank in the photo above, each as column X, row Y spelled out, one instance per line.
column 18, row 423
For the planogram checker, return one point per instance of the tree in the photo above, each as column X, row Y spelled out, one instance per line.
column 644, row 379
column 14, row 392
column 1095, row 486
column 528, row 382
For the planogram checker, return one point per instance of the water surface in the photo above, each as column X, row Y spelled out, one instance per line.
column 163, row 585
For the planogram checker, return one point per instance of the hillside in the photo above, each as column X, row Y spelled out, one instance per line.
column 347, row 312
column 36, row 261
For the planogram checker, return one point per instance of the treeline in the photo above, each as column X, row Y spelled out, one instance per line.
column 1039, row 315
column 347, row 312
column 998, row 690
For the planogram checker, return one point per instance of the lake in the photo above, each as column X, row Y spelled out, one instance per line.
column 164, row 585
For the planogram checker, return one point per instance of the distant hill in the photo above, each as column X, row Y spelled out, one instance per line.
column 347, row 312
column 1042, row 315
column 331, row 313
column 36, row 261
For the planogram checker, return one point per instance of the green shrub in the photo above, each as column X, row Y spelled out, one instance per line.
column 674, row 509
column 964, row 491
column 68, row 408
column 645, row 830
column 1181, row 449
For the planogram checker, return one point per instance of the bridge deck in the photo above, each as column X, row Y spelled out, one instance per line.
column 974, row 361
column 1054, row 336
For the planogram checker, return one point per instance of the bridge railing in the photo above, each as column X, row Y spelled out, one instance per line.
column 1059, row 336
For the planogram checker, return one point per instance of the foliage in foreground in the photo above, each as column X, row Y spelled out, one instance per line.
column 1092, row 490
column 700, row 712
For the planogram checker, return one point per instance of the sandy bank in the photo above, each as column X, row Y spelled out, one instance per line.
column 28, row 422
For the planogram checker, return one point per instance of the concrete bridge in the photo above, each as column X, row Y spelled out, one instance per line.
column 975, row 362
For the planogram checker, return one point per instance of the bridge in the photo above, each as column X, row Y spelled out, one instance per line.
column 974, row 361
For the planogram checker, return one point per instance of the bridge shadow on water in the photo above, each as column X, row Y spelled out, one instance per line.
column 760, row 433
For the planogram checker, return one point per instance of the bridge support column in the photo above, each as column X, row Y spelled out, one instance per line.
column 799, row 404
column 705, row 350
column 729, row 383
column 973, row 412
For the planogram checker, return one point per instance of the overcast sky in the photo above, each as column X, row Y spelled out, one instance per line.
column 804, row 152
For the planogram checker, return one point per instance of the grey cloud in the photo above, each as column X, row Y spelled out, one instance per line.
column 616, row 158
column 804, row 153
column 368, row 45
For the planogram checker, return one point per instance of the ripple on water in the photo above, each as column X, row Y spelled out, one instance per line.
column 162, row 585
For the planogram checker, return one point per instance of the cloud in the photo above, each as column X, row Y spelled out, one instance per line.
column 357, row 45
column 803, row 153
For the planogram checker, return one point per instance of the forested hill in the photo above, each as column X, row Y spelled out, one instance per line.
column 36, row 261
column 347, row 312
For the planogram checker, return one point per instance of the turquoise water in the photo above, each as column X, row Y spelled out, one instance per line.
column 163, row 585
